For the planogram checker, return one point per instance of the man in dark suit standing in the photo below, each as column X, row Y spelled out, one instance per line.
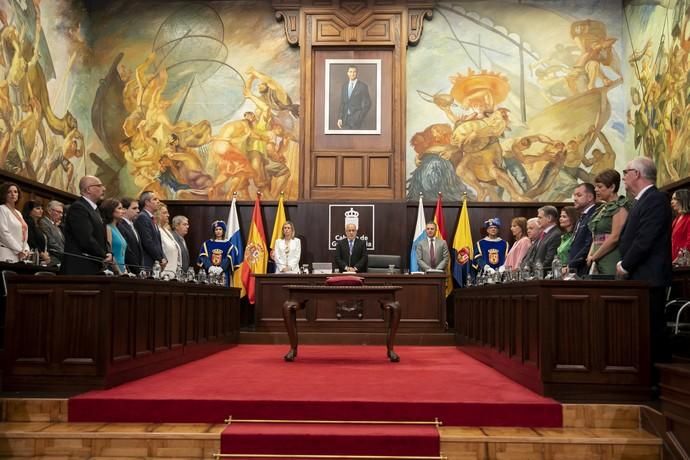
column 354, row 101
column 585, row 203
column 645, row 244
column 180, row 225
column 351, row 252
column 50, row 225
column 134, row 253
column 86, row 248
column 550, row 238
column 148, row 232
column 432, row 252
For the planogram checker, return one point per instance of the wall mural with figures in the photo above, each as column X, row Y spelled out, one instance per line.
column 659, row 90
column 525, row 99
column 506, row 100
column 44, row 62
column 192, row 100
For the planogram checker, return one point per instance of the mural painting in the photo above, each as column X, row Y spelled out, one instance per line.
column 658, row 95
column 40, row 138
column 197, row 103
column 192, row 100
column 525, row 100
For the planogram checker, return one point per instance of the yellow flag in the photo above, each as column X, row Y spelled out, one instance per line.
column 279, row 222
column 463, row 248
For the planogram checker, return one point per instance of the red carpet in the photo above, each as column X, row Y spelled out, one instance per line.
column 327, row 382
column 301, row 439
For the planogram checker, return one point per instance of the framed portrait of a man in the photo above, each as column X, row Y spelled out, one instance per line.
column 352, row 96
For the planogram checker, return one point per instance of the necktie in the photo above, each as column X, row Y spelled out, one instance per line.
column 432, row 254
column 350, row 88
column 352, row 243
column 134, row 230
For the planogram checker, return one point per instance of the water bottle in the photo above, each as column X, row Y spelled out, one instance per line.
column 156, row 270
column 539, row 270
column 179, row 275
column 525, row 275
column 190, row 275
column 223, row 280
column 556, row 269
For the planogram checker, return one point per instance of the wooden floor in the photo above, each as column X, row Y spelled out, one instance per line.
column 37, row 428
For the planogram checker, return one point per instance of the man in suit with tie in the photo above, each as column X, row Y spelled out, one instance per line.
column 351, row 252
column 432, row 252
column 134, row 252
column 148, row 232
column 180, row 225
column 354, row 101
column 533, row 233
column 544, row 248
column 645, row 245
column 86, row 248
column 50, row 225
column 584, row 200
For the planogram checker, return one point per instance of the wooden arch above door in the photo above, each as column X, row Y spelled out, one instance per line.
column 366, row 160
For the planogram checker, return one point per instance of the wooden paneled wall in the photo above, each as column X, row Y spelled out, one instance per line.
column 338, row 166
column 394, row 221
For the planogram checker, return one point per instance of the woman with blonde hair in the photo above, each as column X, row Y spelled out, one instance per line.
column 170, row 248
column 287, row 250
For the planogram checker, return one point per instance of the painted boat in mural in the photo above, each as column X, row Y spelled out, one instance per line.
column 108, row 111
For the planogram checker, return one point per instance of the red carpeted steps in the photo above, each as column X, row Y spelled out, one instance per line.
column 297, row 439
column 325, row 383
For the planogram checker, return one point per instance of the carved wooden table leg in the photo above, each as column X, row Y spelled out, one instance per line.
column 290, row 308
column 391, row 309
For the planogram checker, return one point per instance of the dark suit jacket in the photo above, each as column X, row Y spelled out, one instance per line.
column 358, row 259
column 353, row 109
column 150, row 239
column 544, row 250
column 645, row 243
column 134, row 253
column 84, row 235
column 56, row 239
column 184, row 252
column 582, row 240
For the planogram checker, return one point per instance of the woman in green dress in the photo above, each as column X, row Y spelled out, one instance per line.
column 607, row 223
column 567, row 221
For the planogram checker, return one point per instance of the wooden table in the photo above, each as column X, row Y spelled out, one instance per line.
column 422, row 304
column 74, row 333
column 572, row 340
column 349, row 302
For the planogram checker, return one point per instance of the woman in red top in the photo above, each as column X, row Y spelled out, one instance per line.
column 680, row 233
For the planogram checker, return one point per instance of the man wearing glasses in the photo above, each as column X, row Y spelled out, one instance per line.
column 645, row 244
column 50, row 224
column 86, row 249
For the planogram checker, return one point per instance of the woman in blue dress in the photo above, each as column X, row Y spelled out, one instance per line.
column 113, row 212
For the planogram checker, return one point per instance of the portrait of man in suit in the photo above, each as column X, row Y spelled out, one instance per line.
column 352, row 89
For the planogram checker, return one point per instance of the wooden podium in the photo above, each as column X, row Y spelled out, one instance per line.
column 349, row 302
column 422, row 311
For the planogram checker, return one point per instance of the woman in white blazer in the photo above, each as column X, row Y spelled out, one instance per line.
column 170, row 246
column 288, row 249
column 13, row 228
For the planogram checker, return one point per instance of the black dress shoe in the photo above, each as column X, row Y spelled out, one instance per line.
column 393, row 356
column 291, row 355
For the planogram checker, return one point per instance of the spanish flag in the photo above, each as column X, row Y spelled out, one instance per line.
column 440, row 222
column 255, row 253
